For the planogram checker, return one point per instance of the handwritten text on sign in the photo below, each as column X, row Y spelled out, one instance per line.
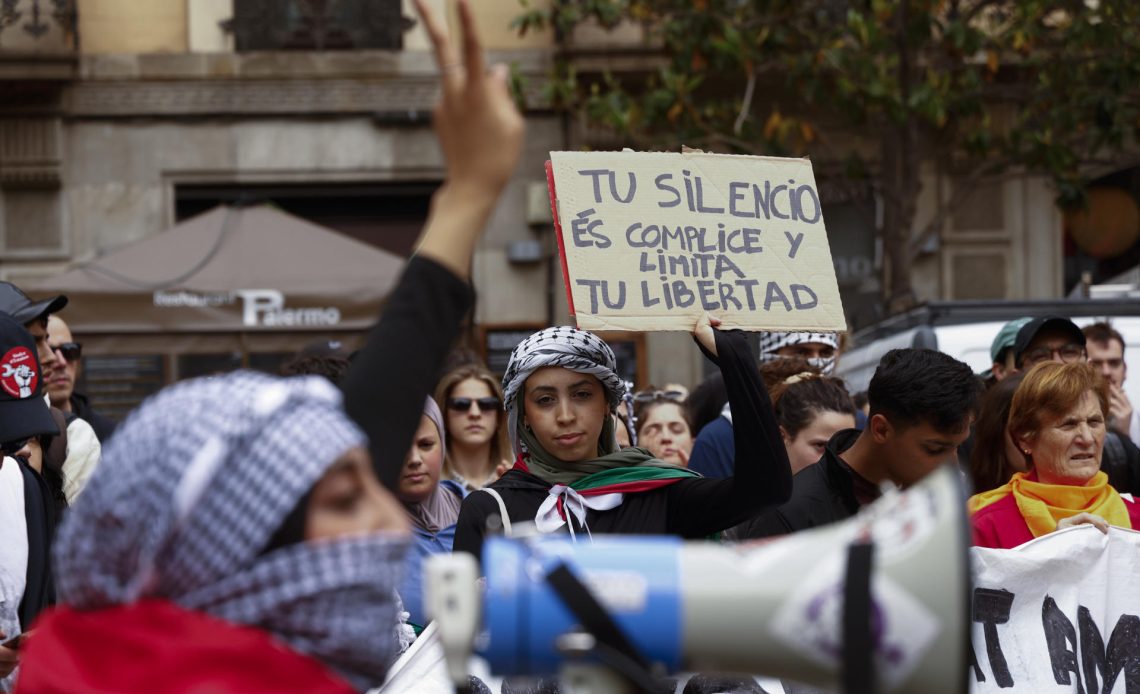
column 651, row 240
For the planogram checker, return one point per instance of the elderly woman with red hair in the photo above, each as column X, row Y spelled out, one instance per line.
column 1057, row 419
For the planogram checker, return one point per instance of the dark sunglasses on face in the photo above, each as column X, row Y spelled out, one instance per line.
column 10, row 448
column 651, row 395
column 70, row 351
column 487, row 404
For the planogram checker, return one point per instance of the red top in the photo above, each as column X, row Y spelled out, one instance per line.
column 1001, row 525
column 156, row 646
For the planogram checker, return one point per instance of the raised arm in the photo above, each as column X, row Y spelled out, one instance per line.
column 762, row 476
column 480, row 132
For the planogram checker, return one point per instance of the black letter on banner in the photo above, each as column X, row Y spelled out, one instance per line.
column 1059, row 634
column 1123, row 653
column 991, row 608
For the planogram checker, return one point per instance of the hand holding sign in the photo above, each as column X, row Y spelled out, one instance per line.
column 651, row 240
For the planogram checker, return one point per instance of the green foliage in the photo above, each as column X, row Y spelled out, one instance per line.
column 1043, row 85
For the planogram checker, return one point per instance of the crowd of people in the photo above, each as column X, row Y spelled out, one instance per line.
column 229, row 516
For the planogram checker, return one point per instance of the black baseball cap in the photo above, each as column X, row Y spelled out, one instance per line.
column 1030, row 330
column 23, row 412
column 20, row 306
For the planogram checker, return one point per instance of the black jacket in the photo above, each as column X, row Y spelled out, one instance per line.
column 103, row 425
column 821, row 494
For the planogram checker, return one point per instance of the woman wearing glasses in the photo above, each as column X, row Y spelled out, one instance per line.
column 472, row 401
column 561, row 389
column 663, row 425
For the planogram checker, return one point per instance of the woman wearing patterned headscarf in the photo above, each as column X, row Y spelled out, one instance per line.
column 230, row 515
column 432, row 505
column 561, row 389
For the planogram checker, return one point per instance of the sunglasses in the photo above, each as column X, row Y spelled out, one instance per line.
column 487, row 404
column 71, row 351
column 652, row 395
column 10, row 448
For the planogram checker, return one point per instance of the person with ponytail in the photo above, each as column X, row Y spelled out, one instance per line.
column 561, row 389
column 811, row 409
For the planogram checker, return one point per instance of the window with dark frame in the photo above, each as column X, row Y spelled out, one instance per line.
column 318, row 25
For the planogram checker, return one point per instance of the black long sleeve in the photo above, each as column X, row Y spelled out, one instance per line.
column 398, row 366
column 762, row 475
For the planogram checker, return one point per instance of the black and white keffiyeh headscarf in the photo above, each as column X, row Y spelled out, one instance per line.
column 569, row 348
column 772, row 342
column 190, row 491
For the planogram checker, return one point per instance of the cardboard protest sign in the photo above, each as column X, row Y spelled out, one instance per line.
column 1058, row 614
column 650, row 240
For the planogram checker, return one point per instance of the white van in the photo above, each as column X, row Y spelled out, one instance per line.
column 965, row 330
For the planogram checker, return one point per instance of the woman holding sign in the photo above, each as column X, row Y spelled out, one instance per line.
column 1057, row 420
column 561, row 387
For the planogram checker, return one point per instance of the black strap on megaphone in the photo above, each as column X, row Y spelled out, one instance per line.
column 613, row 647
column 858, row 666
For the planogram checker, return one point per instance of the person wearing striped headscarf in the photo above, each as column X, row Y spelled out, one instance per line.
column 561, row 389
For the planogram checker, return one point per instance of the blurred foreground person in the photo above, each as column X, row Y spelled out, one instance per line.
column 236, row 514
column 218, row 529
column 1057, row 419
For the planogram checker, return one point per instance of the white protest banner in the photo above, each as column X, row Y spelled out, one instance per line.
column 650, row 240
column 1058, row 614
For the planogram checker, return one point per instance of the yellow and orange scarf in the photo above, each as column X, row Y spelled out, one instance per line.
column 1043, row 505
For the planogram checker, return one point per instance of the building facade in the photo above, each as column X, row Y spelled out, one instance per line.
column 120, row 118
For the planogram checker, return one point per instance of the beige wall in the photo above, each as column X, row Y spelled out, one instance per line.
column 133, row 26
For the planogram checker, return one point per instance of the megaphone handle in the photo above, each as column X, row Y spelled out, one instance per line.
column 858, row 667
column 613, row 647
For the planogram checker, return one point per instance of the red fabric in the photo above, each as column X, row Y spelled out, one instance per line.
column 156, row 646
column 1001, row 526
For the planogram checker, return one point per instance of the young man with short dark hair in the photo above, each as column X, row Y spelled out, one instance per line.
column 922, row 403
column 1105, row 347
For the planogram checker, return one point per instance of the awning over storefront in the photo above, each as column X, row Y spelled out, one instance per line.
column 244, row 270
